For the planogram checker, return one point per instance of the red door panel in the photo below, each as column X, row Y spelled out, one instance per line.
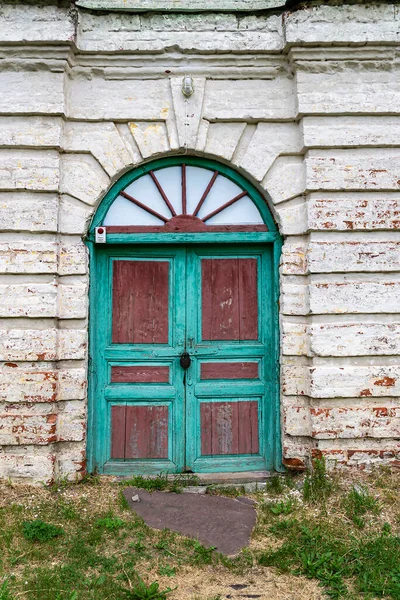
column 139, row 432
column 229, row 370
column 140, row 302
column 139, row 374
column 146, row 432
column 118, row 417
column 229, row 299
column 229, row 428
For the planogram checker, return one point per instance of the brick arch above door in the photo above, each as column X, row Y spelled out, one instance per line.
column 99, row 154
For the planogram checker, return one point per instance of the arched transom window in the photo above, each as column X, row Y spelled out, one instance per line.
column 183, row 197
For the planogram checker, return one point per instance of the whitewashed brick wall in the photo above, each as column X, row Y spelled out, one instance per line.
column 306, row 104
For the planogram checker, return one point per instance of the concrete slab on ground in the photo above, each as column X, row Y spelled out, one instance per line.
column 225, row 523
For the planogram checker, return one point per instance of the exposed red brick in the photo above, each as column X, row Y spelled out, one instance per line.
column 296, row 464
column 350, row 453
column 320, row 411
column 386, row 382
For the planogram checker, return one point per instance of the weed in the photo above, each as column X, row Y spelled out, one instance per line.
column 357, row 503
column 285, row 507
column 109, row 522
column 90, row 479
column 188, row 479
column 183, row 480
column 175, row 487
column 281, row 527
column 290, row 479
column 335, row 558
column 317, row 484
column 67, row 510
column 123, row 502
column 138, row 547
column 39, row 531
column 167, row 570
column 158, row 483
column 161, row 545
column 60, row 484
column 240, row 563
column 141, row 591
column 227, row 490
column 64, row 482
column 386, row 528
column 275, row 485
column 161, row 482
column 202, row 555
column 4, row 591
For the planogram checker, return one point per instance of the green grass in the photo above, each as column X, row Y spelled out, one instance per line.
column 275, row 485
column 161, row 482
column 318, row 486
column 167, row 570
column 357, row 503
column 39, row 531
column 109, row 522
column 229, row 491
column 82, row 542
column 284, row 507
column 337, row 535
column 337, row 559
column 4, row 591
column 141, row 591
column 82, row 548
column 158, row 483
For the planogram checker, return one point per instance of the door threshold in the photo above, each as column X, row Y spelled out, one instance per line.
column 239, row 478
column 230, row 478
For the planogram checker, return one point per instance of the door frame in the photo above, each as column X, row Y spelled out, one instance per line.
column 270, row 237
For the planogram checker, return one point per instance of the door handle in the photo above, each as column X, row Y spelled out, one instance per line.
column 185, row 360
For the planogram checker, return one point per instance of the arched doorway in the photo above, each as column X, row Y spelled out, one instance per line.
column 184, row 361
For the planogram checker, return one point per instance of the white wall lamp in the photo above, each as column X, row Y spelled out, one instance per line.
column 187, row 86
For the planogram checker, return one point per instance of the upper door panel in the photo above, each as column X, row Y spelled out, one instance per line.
column 229, row 299
column 140, row 308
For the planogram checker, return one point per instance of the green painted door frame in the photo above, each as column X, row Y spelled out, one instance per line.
column 176, row 245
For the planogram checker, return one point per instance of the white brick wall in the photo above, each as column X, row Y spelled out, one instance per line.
column 154, row 33
column 305, row 104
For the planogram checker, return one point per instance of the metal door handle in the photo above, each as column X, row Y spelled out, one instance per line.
column 185, row 360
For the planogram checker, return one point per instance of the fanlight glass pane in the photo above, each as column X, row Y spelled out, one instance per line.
column 155, row 191
column 243, row 212
column 145, row 190
column 170, row 180
column 123, row 212
column 197, row 180
column 221, row 192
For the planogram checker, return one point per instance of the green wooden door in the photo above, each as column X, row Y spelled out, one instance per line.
column 154, row 303
column 229, row 337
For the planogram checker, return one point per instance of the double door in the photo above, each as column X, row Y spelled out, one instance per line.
column 183, row 363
